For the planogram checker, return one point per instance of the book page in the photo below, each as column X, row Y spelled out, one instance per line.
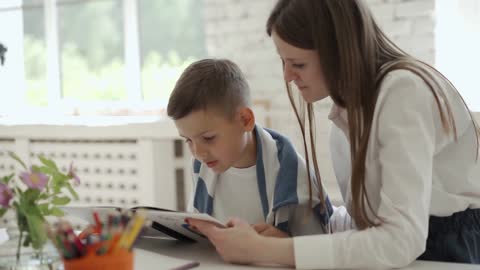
column 176, row 222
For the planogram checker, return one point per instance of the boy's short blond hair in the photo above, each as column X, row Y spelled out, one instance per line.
column 216, row 84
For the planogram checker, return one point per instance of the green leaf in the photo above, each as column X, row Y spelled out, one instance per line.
column 34, row 210
column 44, row 170
column 61, row 200
column 55, row 211
column 72, row 191
column 16, row 205
column 27, row 240
column 22, row 221
column 7, row 179
column 36, row 231
column 43, row 207
column 59, row 180
column 31, row 194
column 48, row 162
column 3, row 211
column 18, row 159
column 57, row 189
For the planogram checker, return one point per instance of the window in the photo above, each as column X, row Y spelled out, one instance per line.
column 35, row 53
column 457, row 43
column 11, row 74
column 116, row 57
column 170, row 47
column 92, row 51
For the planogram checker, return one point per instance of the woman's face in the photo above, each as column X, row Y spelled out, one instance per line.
column 303, row 68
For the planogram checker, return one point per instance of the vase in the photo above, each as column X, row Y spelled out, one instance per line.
column 47, row 259
column 30, row 262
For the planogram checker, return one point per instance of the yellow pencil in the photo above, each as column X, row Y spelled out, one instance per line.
column 135, row 223
column 136, row 228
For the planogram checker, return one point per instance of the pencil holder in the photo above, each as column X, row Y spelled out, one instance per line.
column 119, row 260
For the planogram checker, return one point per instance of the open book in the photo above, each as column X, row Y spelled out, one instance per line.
column 165, row 223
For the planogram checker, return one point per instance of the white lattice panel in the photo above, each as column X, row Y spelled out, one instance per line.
column 7, row 166
column 109, row 170
column 123, row 165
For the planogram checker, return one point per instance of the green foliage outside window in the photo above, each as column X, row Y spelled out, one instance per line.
column 92, row 63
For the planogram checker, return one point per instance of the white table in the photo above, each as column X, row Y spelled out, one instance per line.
column 149, row 253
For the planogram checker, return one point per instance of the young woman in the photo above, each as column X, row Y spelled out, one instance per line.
column 404, row 148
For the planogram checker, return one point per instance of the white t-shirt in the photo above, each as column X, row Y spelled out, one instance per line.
column 239, row 188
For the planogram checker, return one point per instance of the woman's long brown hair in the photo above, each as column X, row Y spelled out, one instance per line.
column 355, row 56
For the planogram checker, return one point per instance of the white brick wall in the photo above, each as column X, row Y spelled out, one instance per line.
column 236, row 30
column 410, row 23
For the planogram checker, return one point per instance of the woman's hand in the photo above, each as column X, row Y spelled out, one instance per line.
column 269, row 230
column 240, row 243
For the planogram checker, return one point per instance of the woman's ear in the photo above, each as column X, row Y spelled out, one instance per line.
column 247, row 118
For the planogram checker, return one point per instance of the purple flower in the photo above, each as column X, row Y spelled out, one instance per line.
column 72, row 174
column 34, row 179
column 6, row 195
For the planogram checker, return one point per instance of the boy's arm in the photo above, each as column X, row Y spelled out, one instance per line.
column 302, row 220
column 305, row 221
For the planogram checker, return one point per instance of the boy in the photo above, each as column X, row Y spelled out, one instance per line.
column 240, row 169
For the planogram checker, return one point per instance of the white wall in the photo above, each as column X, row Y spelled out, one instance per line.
column 457, row 42
column 236, row 30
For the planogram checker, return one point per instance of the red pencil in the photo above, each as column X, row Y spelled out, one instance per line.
column 98, row 223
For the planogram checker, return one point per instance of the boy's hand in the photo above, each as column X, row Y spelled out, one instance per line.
column 269, row 230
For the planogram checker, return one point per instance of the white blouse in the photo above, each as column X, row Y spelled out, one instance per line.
column 413, row 170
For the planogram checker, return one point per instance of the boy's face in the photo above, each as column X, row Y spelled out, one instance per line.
column 218, row 142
